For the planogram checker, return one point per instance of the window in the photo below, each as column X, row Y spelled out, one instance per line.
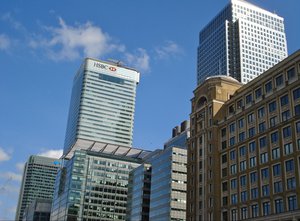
column 262, row 127
column 278, row 187
column 234, row 215
column 287, row 132
column 253, row 177
column 291, row 73
column 251, row 132
column 250, row 118
column 254, row 193
column 285, row 115
column 224, row 158
column 258, row 93
column 261, row 112
column 243, row 165
column 296, row 94
column 288, row 148
column 234, row 199
column 225, row 199
column 231, row 141
column 262, row 142
column 233, row 169
column 241, row 136
column 242, row 151
column 248, row 98
column 298, row 127
column 243, row 180
column 276, row 170
column 268, row 87
column 275, row 153
column 252, row 147
column 252, row 162
column 266, row 208
column 273, row 121
column 292, row 203
column 224, row 187
column 223, row 132
column 233, row 184
column 289, row 165
column 291, row 183
column 254, row 209
column 274, row 137
column 265, row 190
column 284, row 100
column 224, row 144
column 297, row 110
column 232, row 155
column 232, row 127
column 279, row 80
column 244, row 213
column 240, row 104
column 278, row 206
column 231, row 109
column 241, row 123
column 264, row 157
column 265, row 173
column 272, row 106
column 244, row 196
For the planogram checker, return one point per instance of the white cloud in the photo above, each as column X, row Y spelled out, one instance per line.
column 13, row 22
column 52, row 153
column 11, row 176
column 3, row 155
column 170, row 49
column 70, row 42
column 4, row 42
column 139, row 60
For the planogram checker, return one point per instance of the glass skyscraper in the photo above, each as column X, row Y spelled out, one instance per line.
column 242, row 41
column 37, row 183
column 102, row 104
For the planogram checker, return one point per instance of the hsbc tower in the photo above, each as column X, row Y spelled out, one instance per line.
column 102, row 105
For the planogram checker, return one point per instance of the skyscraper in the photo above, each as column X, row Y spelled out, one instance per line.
column 102, row 104
column 242, row 41
column 38, row 182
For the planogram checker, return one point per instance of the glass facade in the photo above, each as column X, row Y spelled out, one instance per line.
column 242, row 41
column 168, row 185
column 102, row 104
column 92, row 186
column 38, row 182
column 139, row 193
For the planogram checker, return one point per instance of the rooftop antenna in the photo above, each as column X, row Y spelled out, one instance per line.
column 116, row 62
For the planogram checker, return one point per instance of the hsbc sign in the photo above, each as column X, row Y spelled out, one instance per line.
column 110, row 69
column 104, row 66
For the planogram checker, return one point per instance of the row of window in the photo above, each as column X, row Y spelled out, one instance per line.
column 268, row 88
column 278, row 207
column 273, row 138
column 265, row 174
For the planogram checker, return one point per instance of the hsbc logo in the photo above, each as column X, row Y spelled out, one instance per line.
column 104, row 66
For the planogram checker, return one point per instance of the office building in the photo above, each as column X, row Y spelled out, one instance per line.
column 38, row 210
column 158, row 187
column 37, row 182
column 180, row 134
column 102, row 104
column 244, row 149
column 138, row 205
column 242, row 41
column 93, row 185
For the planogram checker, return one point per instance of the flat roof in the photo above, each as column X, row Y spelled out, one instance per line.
column 106, row 148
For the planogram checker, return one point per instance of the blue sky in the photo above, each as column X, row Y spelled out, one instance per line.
column 42, row 44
